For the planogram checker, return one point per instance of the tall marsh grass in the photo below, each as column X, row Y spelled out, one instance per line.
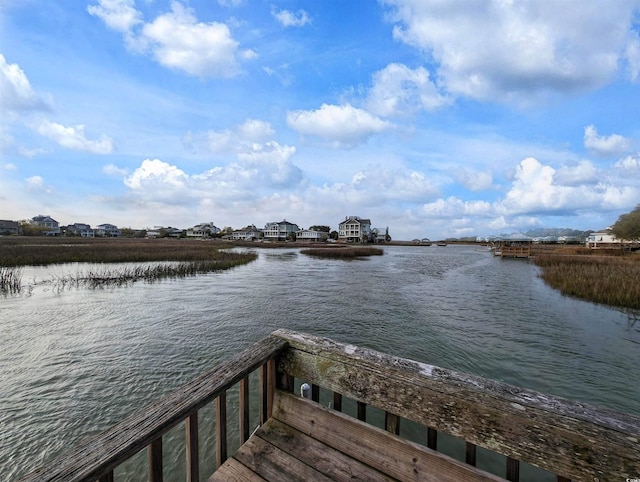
column 10, row 280
column 342, row 253
column 610, row 280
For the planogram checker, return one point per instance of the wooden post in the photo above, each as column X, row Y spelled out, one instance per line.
column 193, row 464
column 243, row 400
column 432, row 438
column 470, row 454
column 271, row 385
column 154, row 458
column 315, row 393
column 513, row 470
column 264, row 377
column 392, row 423
column 108, row 477
column 221, row 429
column 362, row 411
column 337, row 401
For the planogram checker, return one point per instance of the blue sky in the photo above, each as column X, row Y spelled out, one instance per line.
column 437, row 119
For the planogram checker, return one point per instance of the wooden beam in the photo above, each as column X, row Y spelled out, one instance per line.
column 243, row 400
column 192, row 448
column 221, row 429
column 154, row 458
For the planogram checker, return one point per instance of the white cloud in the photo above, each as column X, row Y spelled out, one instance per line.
column 230, row 3
column 156, row 174
column 501, row 50
column 399, row 90
column 584, row 172
column 629, row 163
column 290, row 19
column 74, row 138
column 453, row 207
column 475, row 180
column 119, row 15
column 341, row 126
column 176, row 39
column 16, row 93
column 633, row 57
column 604, row 146
column 113, row 170
column 232, row 140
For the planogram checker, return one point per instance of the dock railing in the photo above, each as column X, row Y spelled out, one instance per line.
column 572, row 440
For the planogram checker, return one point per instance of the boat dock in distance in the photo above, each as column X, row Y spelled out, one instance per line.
column 356, row 432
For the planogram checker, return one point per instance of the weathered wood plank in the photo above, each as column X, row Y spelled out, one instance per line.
column 232, row 470
column 330, row 462
column 154, row 460
column 243, row 400
column 393, row 456
column 272, row 464
column 192, row 447
column 568, row 438
column 221, row 429
column 96, row 456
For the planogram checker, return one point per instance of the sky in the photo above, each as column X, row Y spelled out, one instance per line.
column 435, row 118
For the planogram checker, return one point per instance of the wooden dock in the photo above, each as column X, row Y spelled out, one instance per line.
column 301, row 439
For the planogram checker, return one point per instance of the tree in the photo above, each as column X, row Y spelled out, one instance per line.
column 322, row 228
column 333, row 235
column 627, row 227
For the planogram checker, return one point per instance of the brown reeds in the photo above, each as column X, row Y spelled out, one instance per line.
column 10, row 280
column 610, row 280
column 342, row 253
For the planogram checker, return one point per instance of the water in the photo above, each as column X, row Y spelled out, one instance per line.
column 76, row 361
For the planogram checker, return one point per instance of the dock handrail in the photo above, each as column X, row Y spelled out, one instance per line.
column 573, row 440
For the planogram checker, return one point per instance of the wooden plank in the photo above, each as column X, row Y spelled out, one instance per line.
column 154, row 460
column 432, row 438
column 332, row 463
column 273, row 464
column 243, row 400
column 392, row 423
column 263, row 393
column 98, row 455
column 569, row 438
column 221, row 429
column 391, row 455
column 192, row 447
column 513, row 470
column 337, row 401
column 470, row 453
column 232, row 470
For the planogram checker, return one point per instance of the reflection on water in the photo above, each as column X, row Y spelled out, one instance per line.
column 74, row 362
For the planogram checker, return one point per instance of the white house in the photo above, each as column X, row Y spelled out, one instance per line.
column 249, row 233
column 279, row 231
column 380, row 235
column 107, row 230
column 602, row 239
column 203, row 230
column 312, row 236
column 51, row 225
column 354, row 229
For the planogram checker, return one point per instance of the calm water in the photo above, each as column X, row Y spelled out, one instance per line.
column 74, row 362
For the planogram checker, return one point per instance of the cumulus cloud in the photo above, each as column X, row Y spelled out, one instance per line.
column 16, row 93
column 291, row 19
column 74, row 138
column 231, row 140
column 399, row 90
column 113, row 170
column 475, row 180
column 500, row 50
column 176, row 39
column 156, row 174
column 631, row 163
column 341, row 126
column 604, row 146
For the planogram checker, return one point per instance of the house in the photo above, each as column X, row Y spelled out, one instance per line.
column 279, row 231
column 312, row 236
column 9, row 227
column 203, row 230
column 602, row 239
column 50, row 225
column 354, row 230
column 108, row 230
column 80, row 229
column 249, row 233
column 380, row 235
column 162, row 232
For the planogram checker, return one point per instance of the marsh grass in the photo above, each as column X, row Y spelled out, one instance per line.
column 342, row 253
column 10, row 280
column 610, row 280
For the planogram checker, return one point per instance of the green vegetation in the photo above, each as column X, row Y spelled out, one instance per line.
column 610, row 280
column 342, row 253
column 627, row 227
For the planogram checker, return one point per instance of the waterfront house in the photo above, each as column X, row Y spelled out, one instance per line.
column 603, row 239
column 249, row 233
column 311, row 235
column 380, row 235
column 203, row 230
column 9, row 227
column 50, row 225
column 108, row 230
column 279, row 231
column 354, row 229
column 80, row 229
